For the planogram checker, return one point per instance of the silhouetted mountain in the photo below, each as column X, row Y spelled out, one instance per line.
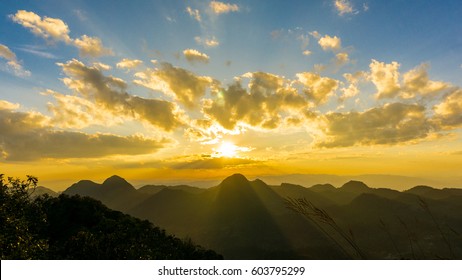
column 245, row 219
column 153, row 189
column 42, row 191
column 322, row 188
column 429, row 192
column 115, row 192
column 231, row 217
column 355, row 186
column 297, row 191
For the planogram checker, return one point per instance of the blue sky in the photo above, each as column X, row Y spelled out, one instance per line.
column 168, row 78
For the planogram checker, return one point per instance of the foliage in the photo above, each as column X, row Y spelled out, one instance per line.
column 320, row 217
column 22, row 221
column 80, row 228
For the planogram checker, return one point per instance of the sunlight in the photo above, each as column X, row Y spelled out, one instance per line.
column 227, row 149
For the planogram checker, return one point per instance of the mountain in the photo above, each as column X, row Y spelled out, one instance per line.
column 81, row 228
column 42, row 191
column 322, row 187
column 243, row 219
column 153, row 189
column 396, row 182
column 115, row 192
column 429, row 192
column 239, row 218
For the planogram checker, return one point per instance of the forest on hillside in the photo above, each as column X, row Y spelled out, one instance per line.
column 74, row 227
column 237, row 219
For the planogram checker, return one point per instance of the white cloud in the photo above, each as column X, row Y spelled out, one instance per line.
column 128, row 63
column 207, row 42
column 344, row 7
column 55, row 29
column 415, row 83
column 193, row 56
column 330, row 43
column 223, row 8
column 385, row 78
column 91, row 46
column 194, row 13
column 342, row 58
column 306, row 52
column 47, row 28
column 12, row 64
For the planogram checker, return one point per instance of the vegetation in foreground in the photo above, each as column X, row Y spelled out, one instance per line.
column 74, row 227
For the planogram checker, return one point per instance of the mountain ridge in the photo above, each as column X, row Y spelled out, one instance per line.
column 241, row 218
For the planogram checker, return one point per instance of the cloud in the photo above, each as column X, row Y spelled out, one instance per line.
column 54, row 29
column 415, row 83
column 47, row 28
column 448, row 113
column 262, row 105
column 214, row 163
column 193, row 56
column 12, row 65
column 27, row 137
column 391, row 124
column 194, row 13
column 35, row 50
column 330, row 43
column 110, row 94
column 385, row 78
column 207, row 42
column 182, row 84
column 5, row 105
column 91, row 46
column 353, row 80
column 70, row 111
column 128, row 63
column 223, row 8
column 317, row 88
column 6, row 53
column 342, row 59
column 306, row 52
column 344, row 7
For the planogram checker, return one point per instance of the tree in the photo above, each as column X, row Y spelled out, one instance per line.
column 21, row 220
column 74, row 227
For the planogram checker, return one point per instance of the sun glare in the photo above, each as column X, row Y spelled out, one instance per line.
column 227, row 149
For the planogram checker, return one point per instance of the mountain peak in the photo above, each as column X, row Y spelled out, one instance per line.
column 355, row 186
column 235, row 179
column 117, row 181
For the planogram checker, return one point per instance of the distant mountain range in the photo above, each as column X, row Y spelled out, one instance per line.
column 243, row 219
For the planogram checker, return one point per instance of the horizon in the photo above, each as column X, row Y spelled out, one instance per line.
column 375, row 181
column 193, row 91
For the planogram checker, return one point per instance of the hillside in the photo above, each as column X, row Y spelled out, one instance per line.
column 66, row 227
column 245, row 219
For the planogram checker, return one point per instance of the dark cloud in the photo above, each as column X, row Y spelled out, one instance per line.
column 184, row 85
column 390, row 124
column 448, row 113
column 261, row 105
column 110, row 93
column 26, row 136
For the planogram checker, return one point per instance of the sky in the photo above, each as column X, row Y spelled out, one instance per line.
column 168, row 91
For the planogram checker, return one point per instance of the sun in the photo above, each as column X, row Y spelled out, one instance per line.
column 227, row 149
